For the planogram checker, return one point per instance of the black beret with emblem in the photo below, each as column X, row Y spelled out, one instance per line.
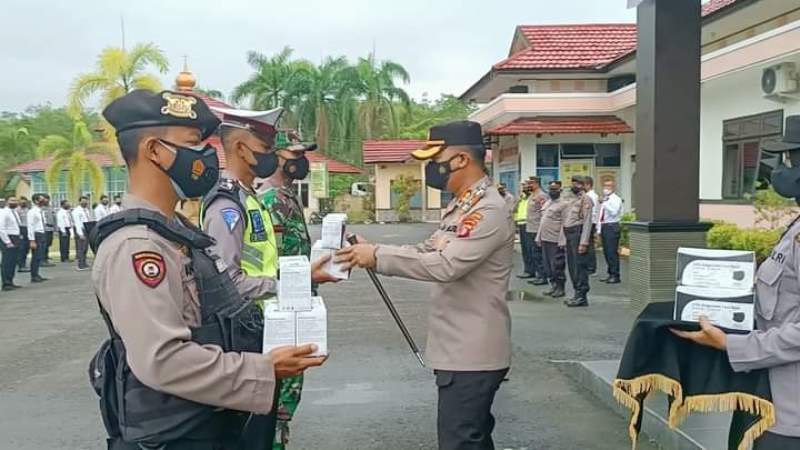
column 143, row 109
column 462, row 132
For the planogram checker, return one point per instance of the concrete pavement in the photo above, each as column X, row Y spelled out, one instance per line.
column 371, row 394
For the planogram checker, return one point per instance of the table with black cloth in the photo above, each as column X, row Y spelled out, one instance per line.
column 695, row 378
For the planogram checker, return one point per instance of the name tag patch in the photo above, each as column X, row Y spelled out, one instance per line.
column 259, row 232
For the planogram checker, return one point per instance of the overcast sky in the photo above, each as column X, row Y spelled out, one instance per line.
column 446, row 45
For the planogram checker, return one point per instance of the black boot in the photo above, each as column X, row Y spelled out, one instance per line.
column 613, row 280
column 551, row 291
column 578, row 301
column 558, row 292
column 538, row 282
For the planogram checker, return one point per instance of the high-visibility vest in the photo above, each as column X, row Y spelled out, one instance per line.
column 522, row 210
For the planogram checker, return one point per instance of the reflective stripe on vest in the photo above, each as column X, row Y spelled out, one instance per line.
column 522, row 210
column 260, row 250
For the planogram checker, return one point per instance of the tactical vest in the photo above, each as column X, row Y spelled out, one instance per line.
column 522, row 210
column 135, row 413
column 260, row 249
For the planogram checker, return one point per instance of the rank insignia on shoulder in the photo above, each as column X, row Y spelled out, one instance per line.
column 468, row 224
column 227, row 184
column 231, row 217
column 150, row 268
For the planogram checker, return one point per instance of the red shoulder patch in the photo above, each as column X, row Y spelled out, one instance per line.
column 149, row 268
column 468, row 224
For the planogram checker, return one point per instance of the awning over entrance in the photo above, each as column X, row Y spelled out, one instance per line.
column 564, row 125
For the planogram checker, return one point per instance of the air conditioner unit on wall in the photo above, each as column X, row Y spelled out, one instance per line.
column 779, row 80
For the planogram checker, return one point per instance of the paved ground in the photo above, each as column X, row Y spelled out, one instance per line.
column 371, row 394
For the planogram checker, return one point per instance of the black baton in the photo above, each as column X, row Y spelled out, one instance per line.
column 392, row 310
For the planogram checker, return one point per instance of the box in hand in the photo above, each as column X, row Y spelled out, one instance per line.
column 333, row 230
column 724, row 269
column 728, row 308
column 333, row 269
column 294, row 288
column 296, row 327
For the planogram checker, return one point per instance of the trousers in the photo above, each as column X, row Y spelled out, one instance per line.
column 578, row 263
column 610, row 234
column 465, row 420
column 525, row 246
column 772, row 441
column 592, row 250
column 537, row 258
column 24, row 248
column 554, row 262
column 63, row 244
column 49, row 243
column 37, row 257
column 81, row 247
column 10, row 260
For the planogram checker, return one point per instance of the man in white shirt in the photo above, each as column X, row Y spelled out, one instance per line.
column 589, row 186
column 117, row 206
column 102, row 209
column 611, row 211
column 37, row 237
column 10, row 236
column 80, row 217
column 65, row 229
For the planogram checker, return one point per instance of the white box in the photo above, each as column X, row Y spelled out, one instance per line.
column 724, row 269
column 333, row 269
column 727, row 308
column 296, row 327
column 333, row 230
column 294, row 289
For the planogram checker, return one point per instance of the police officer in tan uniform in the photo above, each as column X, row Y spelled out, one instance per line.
column 578, row 231
column 468, row 260
column 149, row 296
column 538, row 198
column 775, row 344
column 551, row 239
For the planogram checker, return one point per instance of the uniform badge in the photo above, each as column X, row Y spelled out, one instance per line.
column 259, row 233
column 180, row 106
column 149, row 268
column 231, row 217
column 198, row 168
column 468, row 224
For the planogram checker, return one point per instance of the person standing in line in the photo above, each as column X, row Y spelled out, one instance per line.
column 102, row 209
column 49, row 229
column 25, row 247
column 507, row 197
column 65, row 230
column 520, row 218
column 10, row 235
column 2, row 203
column 551, row 239
column 611, row 211
column 37, row 237
column 590, row 192
column 536, row 204
column 578, row 230
column 80, row 217
column 117, row 206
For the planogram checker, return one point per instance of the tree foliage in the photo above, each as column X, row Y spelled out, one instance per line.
column 772, row 209
column 406, row 187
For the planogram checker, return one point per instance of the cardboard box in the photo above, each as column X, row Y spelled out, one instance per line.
column 294, row 288
column 728, row 308
column 296, row 327
column 335, row 270
column 333, row 234
column 724, row 269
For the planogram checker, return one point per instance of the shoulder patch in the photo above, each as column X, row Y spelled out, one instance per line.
column 468, row 224
column 149, row 268
column 231, row 216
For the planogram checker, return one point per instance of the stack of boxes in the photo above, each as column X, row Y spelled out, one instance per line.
column 717, row 284
column 333, row 239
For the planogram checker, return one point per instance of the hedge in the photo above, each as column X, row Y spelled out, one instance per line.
column 730, row 237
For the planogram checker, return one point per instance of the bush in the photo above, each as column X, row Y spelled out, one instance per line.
column 727, row 236
column 625, row 232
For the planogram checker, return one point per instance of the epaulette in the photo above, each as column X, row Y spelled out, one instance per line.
column 228, row 185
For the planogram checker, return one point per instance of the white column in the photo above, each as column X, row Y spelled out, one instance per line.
column 527, row 150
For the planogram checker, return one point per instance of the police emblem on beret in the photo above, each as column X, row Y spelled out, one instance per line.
column 181, row 106
column 149, row 268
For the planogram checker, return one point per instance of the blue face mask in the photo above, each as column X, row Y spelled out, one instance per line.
column 194, row 172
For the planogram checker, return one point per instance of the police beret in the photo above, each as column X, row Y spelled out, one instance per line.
column 462, row 132
column 143, row 109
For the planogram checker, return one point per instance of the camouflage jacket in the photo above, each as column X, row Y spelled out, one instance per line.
column 291, row 233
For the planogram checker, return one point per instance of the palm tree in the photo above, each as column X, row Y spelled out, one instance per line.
column 118, row 72
column 276, row 82
column 211, row 93
column 380, row 94
column 73, row 157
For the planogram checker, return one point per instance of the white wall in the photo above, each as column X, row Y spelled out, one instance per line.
column 729, row 97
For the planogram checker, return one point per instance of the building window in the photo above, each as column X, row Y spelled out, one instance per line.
column 301, row 187
column 549, row 156
column 59, row 191
column 116, row 181
column 745, row 167
column 416, row 200
column 547, row 159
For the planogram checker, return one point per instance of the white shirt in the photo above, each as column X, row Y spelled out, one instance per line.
column 101, row 211
column 9, row 224
column 115, row 208
column 80, row 215
column 35, row 222
column 596, row 202
column 63, row 220
column 612, row 209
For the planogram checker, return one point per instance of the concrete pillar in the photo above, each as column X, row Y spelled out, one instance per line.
column 667, row 145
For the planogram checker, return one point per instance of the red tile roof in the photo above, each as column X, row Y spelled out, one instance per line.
column 564, row 125
column 576, row 47
column 389, row 151
column 572, row 46
column 334, row 166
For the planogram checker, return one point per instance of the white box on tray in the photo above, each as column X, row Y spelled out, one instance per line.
column 333, row 269
column 332, row 235
column 294, row 287
column 296, row 327
column 728, row 308
column 723, row 269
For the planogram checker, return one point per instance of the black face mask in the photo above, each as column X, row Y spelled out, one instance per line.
column 576, row 190
column 786, row 180
column 296, row 169
column 554, row 194
column 437, row 174
column 266, row 164
column 194, row 171
column 12, row 205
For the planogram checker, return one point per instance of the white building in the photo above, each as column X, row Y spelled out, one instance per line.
column 563, row 102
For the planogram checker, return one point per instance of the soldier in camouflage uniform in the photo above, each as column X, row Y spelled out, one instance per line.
column 292, row 239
